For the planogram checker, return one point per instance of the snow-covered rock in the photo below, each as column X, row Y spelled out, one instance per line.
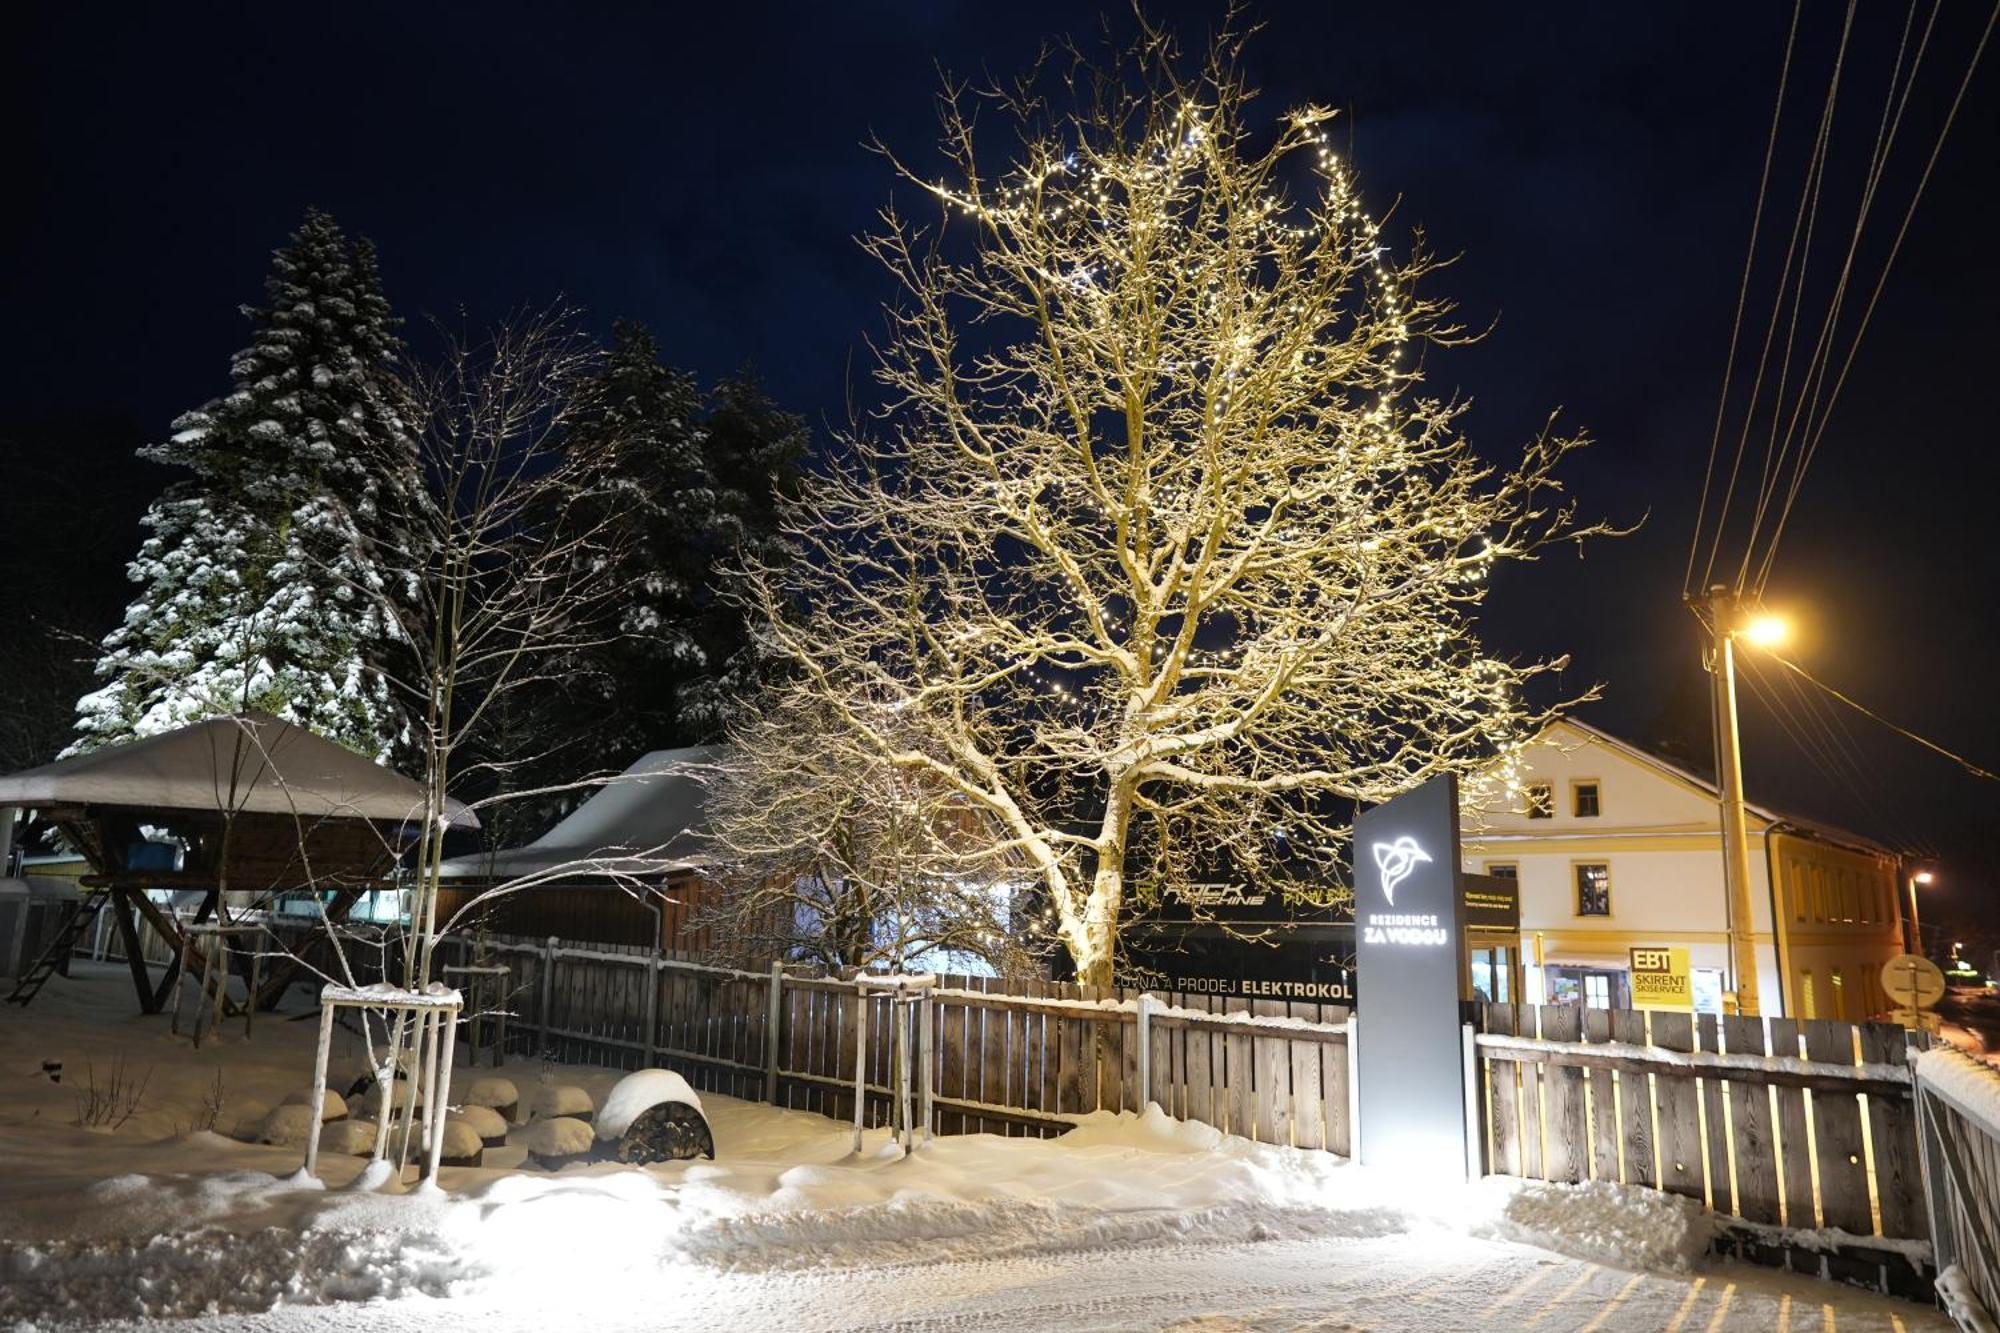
column 333, row 1108
column 562, row 1099
column 558, row 1141
column 485, row 1122
column 498, row 1093
column 460, row 1144
column 355, row 1138
column 637, row 1092
column 288, row 1126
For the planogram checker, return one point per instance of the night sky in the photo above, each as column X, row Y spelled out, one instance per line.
column 704, row 170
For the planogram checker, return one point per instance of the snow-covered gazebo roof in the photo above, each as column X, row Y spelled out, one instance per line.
column 239, row 762
column 652, row 818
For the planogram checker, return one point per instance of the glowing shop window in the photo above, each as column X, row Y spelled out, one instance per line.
column 1597, row 990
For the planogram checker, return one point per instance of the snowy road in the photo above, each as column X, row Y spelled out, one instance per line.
column 1268, row 1287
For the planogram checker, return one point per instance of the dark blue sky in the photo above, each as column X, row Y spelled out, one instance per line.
column 703, row 169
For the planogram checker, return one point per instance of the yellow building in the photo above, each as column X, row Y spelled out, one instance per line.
column 1615, row 849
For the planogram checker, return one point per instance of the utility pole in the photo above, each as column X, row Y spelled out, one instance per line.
column 1725, row 623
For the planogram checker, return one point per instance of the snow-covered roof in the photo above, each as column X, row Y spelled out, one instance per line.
column 243, row 761
column 650, row 819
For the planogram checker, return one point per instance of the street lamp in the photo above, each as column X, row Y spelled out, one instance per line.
column 1730, row 620
column 1914, row 943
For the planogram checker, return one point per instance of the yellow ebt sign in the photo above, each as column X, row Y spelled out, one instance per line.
column 1662, row 979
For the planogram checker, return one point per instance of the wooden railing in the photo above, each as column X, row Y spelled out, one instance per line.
column 1958, row 1113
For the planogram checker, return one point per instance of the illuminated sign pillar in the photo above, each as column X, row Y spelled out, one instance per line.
column 1409, row 927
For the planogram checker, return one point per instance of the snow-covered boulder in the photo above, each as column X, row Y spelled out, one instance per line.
column 557, row 1142
column 287, row 1126
column 485, row 1122
column 249, row 1121
column 333, row 1108
column 371, row 1100
column 564, row 1100
column 638, row 1091
column 460, row 1145
column 355, row 1138
column 498, row 1093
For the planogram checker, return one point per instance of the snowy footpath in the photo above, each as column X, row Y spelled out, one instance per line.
column 1128, row 1222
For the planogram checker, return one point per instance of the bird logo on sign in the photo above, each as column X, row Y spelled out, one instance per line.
column 1396, row 860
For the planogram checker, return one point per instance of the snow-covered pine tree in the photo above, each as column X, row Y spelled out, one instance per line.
column 259, row 582
column 696, row 483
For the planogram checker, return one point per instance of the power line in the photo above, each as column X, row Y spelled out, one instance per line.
column 1742, row 298
column 1819, row 431
column 1959, row 759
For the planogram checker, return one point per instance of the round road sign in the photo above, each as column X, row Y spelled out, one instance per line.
column 1912, row 981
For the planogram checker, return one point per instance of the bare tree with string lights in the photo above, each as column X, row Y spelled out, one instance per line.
column 1156, row 550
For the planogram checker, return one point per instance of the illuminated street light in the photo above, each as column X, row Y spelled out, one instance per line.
column 1766, row 630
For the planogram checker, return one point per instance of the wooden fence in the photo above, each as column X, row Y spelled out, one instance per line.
column 1771, row 1123
column 1017, row 1057
column 1959, row 1128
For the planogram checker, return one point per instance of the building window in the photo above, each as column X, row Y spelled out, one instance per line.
column 1808, row 1002
column 1541, row 801
column 1584, row 800
column 1596, row 991
column 1839, row 993
column 1503, row 870
column 1593, row 889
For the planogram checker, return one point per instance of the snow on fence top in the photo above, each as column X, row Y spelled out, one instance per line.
column 1970, row 1085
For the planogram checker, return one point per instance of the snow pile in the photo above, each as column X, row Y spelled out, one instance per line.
column 639, row 1092
column 496, row 1093
column 1621, row 1225
column 561, row 1099
column 355, row 1138
column 333, row 1108
column 288, row 1126
column 485, row 1122
column 558, row 1136
column 459, row 1141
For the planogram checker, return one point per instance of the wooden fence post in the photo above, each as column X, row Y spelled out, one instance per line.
column 1145, row 1040
column 927, row 1029
column 773, row 1013
column 548, row 989
column 652, row 1009
column 860, row 1060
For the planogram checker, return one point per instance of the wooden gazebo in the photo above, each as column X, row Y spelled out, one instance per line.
column 261, row 808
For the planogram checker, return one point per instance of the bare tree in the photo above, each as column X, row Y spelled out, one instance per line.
column 1155, row 553
column 847, row 867
column 511, row 557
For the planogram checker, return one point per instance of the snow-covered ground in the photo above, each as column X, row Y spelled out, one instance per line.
column 1125, row 1223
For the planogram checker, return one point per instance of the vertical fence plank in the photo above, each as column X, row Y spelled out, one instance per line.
column 1892, row 1126
column 1708, row 1037
column 1201, row 1073
column 951, row 1078
column 1606, row 1130
column 1272, row 1070
column 1680, row 1117
column 1753, row 1137
column 1076, row 1086
column 1308, row 1097
column 1635, row 1099
column 1238, row 1056
column 1503, row 1095
column 1795, row 1157
column 1843, row 1168
column 1568, row 1155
